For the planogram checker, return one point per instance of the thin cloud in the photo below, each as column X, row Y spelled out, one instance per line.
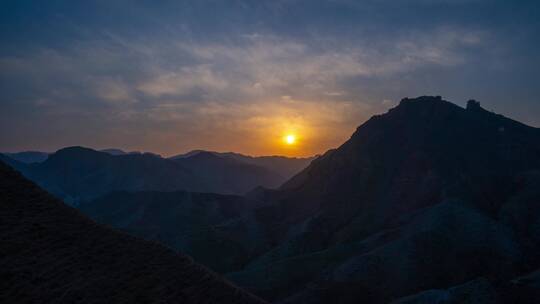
column 169, row 78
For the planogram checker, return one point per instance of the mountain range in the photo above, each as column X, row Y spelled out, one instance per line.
column 427, row 203
column 76, row 174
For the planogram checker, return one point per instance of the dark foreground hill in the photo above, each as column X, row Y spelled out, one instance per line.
column 429, row 196
column 52, row 254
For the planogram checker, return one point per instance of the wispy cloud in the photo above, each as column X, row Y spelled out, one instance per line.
column 172, row 78
column 255, row 88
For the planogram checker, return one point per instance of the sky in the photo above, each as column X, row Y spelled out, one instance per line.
column 173, row 76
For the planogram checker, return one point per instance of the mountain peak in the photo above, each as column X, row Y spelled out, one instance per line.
column 434, row 111
column 424, row 98
column 429, row 103
column 75, row 149
column 428, row 132
column 204, row 155
column 473, row 105
column 76, row 153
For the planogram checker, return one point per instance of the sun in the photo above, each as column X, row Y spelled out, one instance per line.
column 290, row 139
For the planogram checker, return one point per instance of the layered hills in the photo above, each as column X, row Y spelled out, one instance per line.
column 77, row 174
column 427, row 203
column 52, row 254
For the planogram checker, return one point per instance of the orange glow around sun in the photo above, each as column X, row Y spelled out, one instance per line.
column 289, row 139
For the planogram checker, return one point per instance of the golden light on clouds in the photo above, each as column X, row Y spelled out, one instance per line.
column 287, row 126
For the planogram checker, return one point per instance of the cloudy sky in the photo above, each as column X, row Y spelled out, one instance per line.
column 173, row 76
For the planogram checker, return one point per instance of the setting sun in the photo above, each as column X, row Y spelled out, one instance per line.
column 290, row 139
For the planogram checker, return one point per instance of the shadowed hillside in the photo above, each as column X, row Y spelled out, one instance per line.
column 427, row 196
column 52, row 254
column 198, row 224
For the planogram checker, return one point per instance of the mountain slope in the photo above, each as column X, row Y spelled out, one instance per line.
column 51, row 253
column 198, row 224
column 428, row 195
column 416, row 155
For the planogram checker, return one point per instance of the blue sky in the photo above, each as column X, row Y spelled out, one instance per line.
column 170, row 76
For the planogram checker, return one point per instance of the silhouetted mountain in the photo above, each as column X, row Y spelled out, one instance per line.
column 428, row 203
column 227, row 173
column 77, row 173
column 217, row 230
column 52, row 254
column 117, row 152
column 286, row 167
column 28, row 157
column 426, row 196
column 190, row 153
column 114, row 151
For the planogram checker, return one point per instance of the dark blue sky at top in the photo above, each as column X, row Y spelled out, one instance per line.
column 170, row 76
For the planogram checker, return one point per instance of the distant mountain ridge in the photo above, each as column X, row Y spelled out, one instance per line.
column 116, row 170
column 51, row 253
column 284, row 166
column 28, row 157
column 78, row 173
